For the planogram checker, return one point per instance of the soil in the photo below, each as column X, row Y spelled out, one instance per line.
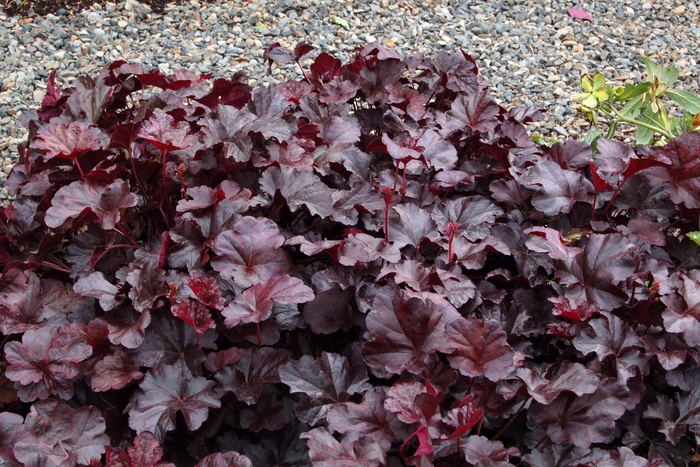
column 43, row 7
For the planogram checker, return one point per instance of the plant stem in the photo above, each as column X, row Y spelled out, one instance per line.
column 511, row 420
column 648, row 126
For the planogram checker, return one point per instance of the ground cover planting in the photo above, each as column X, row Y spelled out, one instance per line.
column 372, row 265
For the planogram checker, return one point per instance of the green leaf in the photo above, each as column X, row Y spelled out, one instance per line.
column 644, row 135
column 694, row 236
column 592, row 138
column 633, row 107
column 686, row 100
column 631, row 90
column 667, row 75
column 340, row 22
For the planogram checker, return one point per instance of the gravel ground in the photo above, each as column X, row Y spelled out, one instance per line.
column 531, row 51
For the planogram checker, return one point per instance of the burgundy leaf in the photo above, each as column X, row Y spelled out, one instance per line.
column 411, row 226
column 228, row 126
column 127, row 326
column 677, row 415
column 682, row 178
column 270, row 107
column 362, row 248
column 255, row 304
column 368, row 418
column 474, row 214
column 145, row 451
column 682, row 313
column 556, row 190
column 46, row 362
column 147, row 286
column 477, row 111
column 97, row 286
column 549, row 241
column 247, row 377
column 575, row 309
column 114, row 372
column 11, row 431
column 225, row 459
column 326, row 451
column 195, row 314
column 480, row 348
column 27, row 302
column 217, row 361
column 169, row 341
column 405, row 332
column 166, row 391
column 329, row 311
column 299, row 188
column 582, row 420
column 463, row 418
column 69, row 140
column 103, row 201
column 597, row 272
column 571, row 155
column 55, row 434
column 479, row 450
column 161, row 131
column 607, row 336
column 573, row 378
column 250, row 252
column 325, row 382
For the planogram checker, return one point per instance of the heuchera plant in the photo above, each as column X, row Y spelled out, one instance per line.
column 372, row 265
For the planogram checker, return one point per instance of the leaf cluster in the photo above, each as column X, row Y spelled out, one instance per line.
column 372, row 265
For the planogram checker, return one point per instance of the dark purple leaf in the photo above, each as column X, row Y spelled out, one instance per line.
column 368, row 418
column 27, row 302
column 477, row 111
column 147, row 286
column 114, row 372
column 405, row 331
column 556, row 190
column 56, row 434
column 225, row 459
column 250, row 252
column 677, row 415
column 63, row 140
column 166, row 391
column 11, row 431
column 597, row 273
column 480, row 348
column 145, row 451
column 81, row 197
column 256, row 368
column 97, row 286
column 161, row 131
column 571, row 155
column 582, row 420
column 255, row 304
column 46, row 362
column 299, row 188
column 410, row 226
column 682, row 178
column 479, row 450
column 682, row 314
column 326, row 451
column 325, row 382
column 573, row 378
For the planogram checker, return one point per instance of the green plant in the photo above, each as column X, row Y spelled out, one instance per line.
column 641, row 105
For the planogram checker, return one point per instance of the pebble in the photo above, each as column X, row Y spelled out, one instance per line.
column 532, row 53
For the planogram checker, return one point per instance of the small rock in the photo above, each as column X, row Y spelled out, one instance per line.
column 679, row 10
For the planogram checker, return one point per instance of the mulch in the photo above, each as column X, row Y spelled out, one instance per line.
column 42, row 7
